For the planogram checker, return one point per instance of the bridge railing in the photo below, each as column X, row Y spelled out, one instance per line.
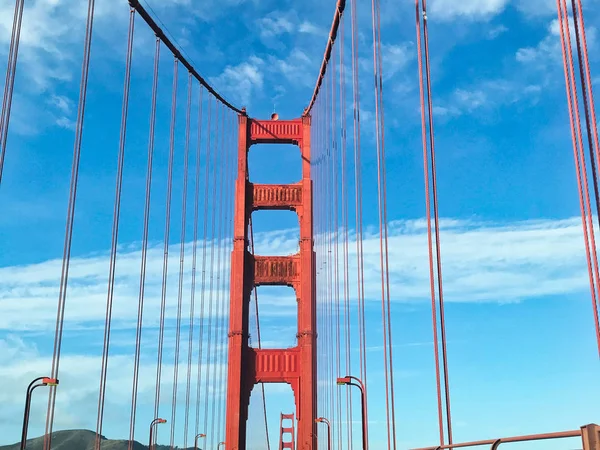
column 590, row 436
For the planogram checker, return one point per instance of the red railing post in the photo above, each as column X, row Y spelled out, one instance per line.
column 590, row 435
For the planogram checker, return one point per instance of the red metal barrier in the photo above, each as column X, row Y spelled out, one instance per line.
column 590, row 435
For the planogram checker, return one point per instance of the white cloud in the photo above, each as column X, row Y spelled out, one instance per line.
column 297, row 67
column 482, row 261
column 469, row 9
column 496, row 31
column 396, row 58
column 537, row 8
column 487, row 95
column 274, row 26
column 243, row 81
column 548, row 53
column 310, row 28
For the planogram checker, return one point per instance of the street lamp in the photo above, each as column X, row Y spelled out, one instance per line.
column 348, row 381
column 326, row 422
column 201, row 435
column 152, row 424
column 41, row 381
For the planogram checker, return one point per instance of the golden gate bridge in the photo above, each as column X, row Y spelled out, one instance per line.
column 327, row 276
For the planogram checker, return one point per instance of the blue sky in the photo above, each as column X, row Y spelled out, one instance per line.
column 521, row 345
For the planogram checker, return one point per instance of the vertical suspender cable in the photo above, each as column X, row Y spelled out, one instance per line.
column 358, row 201
column 221, row 278
column 437, row 226
column 582, row 182
column 347, row 329
column 193, row 283
column 163, row 300
column 115, row 232
column 383, row 246
column 336, row 264
column 592, row 128
column 429, row 234
column 9, row 85
column 262, row 385
column 138, row 333
column 230, row 183
column 203, row 282
column 217, row 295
column 186, row 158
column 210, row 289
column 385, row 225
column 584, row 73
column 69, row 226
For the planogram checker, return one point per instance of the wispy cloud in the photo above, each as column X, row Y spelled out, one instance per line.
column 242, row 81
column 482, row 262
column 485, row 96
column 469, row 9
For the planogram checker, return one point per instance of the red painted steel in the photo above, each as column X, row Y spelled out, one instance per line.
column 295, row 366
column 585, row 432
column 285, row 431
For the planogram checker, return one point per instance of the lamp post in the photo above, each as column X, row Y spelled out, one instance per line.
column 326, row 422
column 349, row 381
column 198, row 436
column 41, row 381
column 152, row 424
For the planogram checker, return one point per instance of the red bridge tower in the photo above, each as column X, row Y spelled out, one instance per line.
column 295, row 366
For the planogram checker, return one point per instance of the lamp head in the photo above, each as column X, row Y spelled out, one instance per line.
column 50, row 381
column 161, row 420
column 343, row 381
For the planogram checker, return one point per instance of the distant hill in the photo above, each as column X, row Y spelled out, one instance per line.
column 81, row 440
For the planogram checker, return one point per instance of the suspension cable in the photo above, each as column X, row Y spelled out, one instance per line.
column 163, row 300
column 203, row 282
column 193, row 282
column 339, row 11
column 344, row 200
column 437, row 226
column 582, row 182
column 382, row 208
column 226, row 182
column 591, row 125
column 358, row 203
column 138, row 333
column 211, row 278
column 69, row 226
column 11, row 70
column 262, row 385
column 177, row 54
column 186, row 158
column 115, row 233
column 429, row 234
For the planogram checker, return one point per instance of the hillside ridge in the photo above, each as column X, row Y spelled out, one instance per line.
column 82, row 440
